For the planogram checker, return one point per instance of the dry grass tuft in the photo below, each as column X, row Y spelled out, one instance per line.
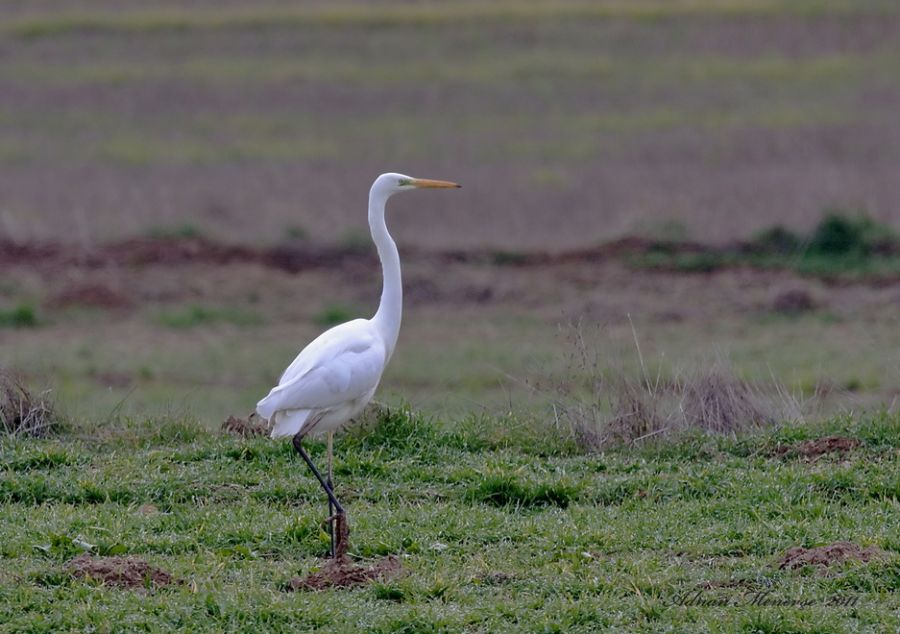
column 246, row 427
column 620, row 408
column 23, row 413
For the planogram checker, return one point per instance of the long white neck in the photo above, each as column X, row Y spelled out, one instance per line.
column 390, row 309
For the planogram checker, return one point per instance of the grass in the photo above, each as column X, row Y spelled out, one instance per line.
column 497, row 530
column 843, row 244
column 195, row 316
column 433, row 15
column 19, row 316
column 334, row 314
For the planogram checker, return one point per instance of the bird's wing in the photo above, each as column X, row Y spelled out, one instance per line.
column 325, row 347
column 345, row 369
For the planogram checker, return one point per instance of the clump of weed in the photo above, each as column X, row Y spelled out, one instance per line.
column 246, row 427
column 355, row 241
column 178, row 232
column 843, row 243
column 296, row 233
column 619, row 407
column 508, row 258
column 776, row 240
column 395, row 427
column 23, row 413
column 195, row 316
column 841, row 234
column 20, row 316
column 509, row 490
column 716, row 400
column 333, row 314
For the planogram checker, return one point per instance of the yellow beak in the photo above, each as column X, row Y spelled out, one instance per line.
column 425, row 182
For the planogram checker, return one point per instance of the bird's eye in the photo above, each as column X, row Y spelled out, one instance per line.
column 403, row 182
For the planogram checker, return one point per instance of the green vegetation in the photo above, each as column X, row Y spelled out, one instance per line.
column 435, row 15
column 20, row 316
column 496, row 530
column 334, row 314
column 841, row 245
column 178, row 232
column 196, row 316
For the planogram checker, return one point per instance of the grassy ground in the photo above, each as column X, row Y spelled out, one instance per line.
column 210, row 341
column 500, row 524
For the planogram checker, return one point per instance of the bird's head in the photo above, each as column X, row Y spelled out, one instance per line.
column 391, row 183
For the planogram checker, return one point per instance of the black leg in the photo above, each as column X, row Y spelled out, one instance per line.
column 330, row 480
column 300, row 450
column 331, row 534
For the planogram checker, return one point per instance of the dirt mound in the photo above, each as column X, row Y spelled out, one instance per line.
column 21, row 412
column 819, row 447
column 793, row 301
column 90, row 295
column 122, row 572
column 342, row 573
column 825, row 556
column 253, row 426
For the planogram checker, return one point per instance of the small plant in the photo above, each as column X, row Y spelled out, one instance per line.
column 841, row 244
column 179, row 232
column 195, row 316
column 508, row 258
column 296, row 233
column 21, row 412
column 333, row 314
column 776, row 240
column 21, row 316
column 839, row 235
column 355, row 241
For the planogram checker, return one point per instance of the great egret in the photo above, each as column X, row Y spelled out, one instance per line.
column 335, row 376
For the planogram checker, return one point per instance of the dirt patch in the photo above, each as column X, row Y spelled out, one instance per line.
column 23, row 413
column 826, row 556
column 793, row 301
column 121, row 572
column 92, row 296
column 245, row 428
column 819, row 447
column 166, row 251
column 343, row 573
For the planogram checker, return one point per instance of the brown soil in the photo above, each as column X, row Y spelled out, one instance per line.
column 90, row 295
column 793, row 301
column 825, row 556
column 244, row 428
column 819, row 447
column 173, row 251
column 122, row 572
column 342, row 573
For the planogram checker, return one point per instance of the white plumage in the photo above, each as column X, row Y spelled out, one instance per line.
column 336, row 375
column 329, row 382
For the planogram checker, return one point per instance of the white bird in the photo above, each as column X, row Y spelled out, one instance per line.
column 336, row 375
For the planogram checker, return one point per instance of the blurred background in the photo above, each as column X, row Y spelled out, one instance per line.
column 183, row 193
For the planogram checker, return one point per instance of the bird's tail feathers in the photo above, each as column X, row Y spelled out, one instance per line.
column 288, row 422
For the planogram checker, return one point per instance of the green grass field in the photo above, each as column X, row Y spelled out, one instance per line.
column 500, row 525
